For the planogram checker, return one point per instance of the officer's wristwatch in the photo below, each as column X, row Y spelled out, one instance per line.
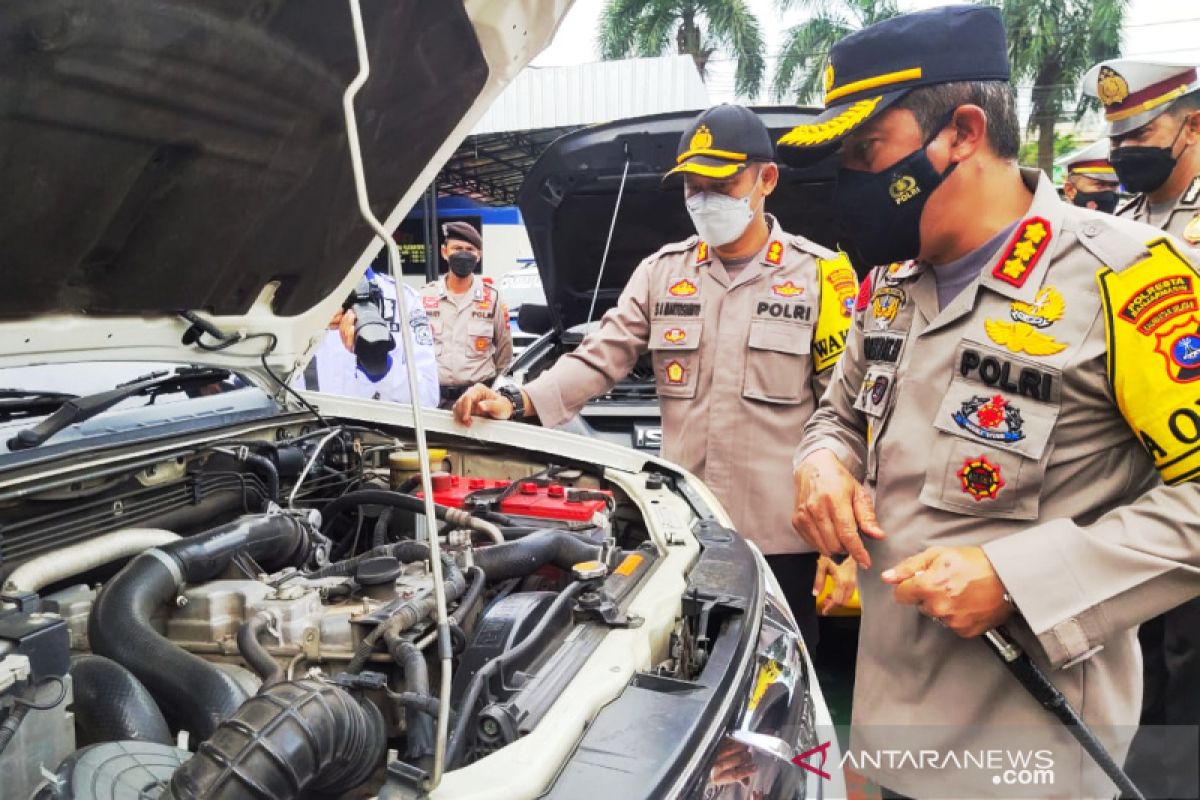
column 513, row 395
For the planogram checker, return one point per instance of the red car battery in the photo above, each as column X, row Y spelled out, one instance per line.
column 541, row 499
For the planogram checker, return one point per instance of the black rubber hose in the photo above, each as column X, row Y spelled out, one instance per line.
column 410, row 613
column 266, row 469
column 11, row 724
column 419, row 725
column 296, row 739
column 535, row 638
column 255, row 653
column 469, row 604
column 377, row 497
column 406, row 552
column 121, row 626
column 527, row 555
column 111, row 705
column 380, row 537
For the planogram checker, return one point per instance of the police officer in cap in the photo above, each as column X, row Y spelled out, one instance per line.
column 470, row 323
column 744, row 323
column 1011, row 472
column 1091, row 180
column 1153, row 114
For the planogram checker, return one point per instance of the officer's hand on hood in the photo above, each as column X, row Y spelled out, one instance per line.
column 482, row 401
column 957, row 586
column 832, row 508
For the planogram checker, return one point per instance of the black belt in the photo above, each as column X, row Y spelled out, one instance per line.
column 452, row 393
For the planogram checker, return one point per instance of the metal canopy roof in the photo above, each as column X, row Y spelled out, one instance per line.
column 544, row 103
column 490, row 167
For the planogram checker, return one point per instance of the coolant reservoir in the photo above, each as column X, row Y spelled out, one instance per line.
column 405, row 464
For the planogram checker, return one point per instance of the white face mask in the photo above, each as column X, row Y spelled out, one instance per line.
column 719, row 218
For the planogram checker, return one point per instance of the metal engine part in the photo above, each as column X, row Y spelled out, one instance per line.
column 306, row 621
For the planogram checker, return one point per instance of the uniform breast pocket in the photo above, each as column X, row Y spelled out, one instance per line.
column 675, row 350
column 479, row 335
column 777, row 361
column 990, row 454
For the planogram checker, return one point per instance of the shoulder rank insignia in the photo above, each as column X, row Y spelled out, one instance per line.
column 1022, row 255
column 702, row 252
column 775, row 252
column 787, row 289
column 1024, row 333
column 683, row 288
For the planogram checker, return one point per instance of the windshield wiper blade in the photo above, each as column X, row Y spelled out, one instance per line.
column 77, row 409
column 30, row 402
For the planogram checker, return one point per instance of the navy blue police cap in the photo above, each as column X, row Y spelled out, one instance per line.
column 871, row 69
column 721, row 141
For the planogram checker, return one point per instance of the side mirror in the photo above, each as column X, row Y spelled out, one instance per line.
column 534, row 318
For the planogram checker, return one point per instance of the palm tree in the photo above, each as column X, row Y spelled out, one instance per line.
column 801, row 67
column 630, row 28
column 1051, row 43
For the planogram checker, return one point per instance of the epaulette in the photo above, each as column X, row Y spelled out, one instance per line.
column 808, row 246
column 1117, row 242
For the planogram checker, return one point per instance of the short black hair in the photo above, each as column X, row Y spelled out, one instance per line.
column 931, row 105
column 1186, row 104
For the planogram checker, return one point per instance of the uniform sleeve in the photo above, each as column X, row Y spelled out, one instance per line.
column 1078, row 585
column 424, row 358
column 837, row 425
column 604, row 357
column 839, row 286
column 503, row 338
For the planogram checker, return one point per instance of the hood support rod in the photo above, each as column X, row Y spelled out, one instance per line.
column 612, row 226
column 406, row 336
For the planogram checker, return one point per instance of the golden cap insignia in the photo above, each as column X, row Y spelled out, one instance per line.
column 828, row 77
column 1111, row 88
column 702, row 139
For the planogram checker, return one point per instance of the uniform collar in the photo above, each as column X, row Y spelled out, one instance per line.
column 476, row 291
column 769, row 257
column 1018, row 266
column 1191, row 195
column 1017, row 269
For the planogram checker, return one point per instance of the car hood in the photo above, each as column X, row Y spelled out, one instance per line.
column 171, row 155
column 567, row 203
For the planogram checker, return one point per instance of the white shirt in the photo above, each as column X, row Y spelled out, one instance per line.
column 337, row 367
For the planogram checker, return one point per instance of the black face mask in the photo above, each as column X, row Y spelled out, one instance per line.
column 1105, row 201
column 1144, row 169
column 463, row 263
column 883, row 209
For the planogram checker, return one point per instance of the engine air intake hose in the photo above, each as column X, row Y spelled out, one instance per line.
column 111, row 705
column 197, row 694
column 295, row 738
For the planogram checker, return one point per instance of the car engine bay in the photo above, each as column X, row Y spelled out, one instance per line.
column 256, row 618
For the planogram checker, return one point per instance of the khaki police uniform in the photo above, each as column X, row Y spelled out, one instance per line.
column 471, row 336
column 1032, row 416
column 739, row 363
column 1182, row 221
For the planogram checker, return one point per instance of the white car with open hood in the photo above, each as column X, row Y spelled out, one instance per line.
column 214, row 587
